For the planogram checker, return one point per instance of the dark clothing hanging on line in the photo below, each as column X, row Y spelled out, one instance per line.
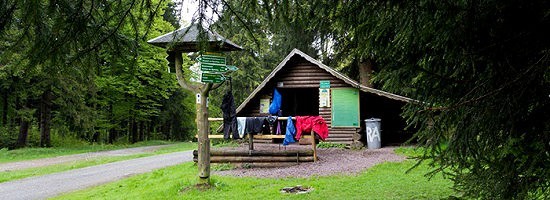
column 255, row 124
column 272, row 125
column 271, row 120
column 229, row 116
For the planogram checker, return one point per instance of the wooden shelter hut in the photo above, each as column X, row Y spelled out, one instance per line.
column 310, row 88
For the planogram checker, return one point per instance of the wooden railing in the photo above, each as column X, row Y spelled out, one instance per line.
column 252, row 137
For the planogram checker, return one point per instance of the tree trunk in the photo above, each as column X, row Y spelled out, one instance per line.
column 141, row 131
column 112, row 135
column 45, row 119
column 150, row 129
column 203, row 140
column 169, row 132
column 23, row 133
column 365, row 72
column 5, row 108
column 129, row 130
column 134, row 131
column 95, row 136
column 112, row 131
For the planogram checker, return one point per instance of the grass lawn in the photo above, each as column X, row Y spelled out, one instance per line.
column 19, row 174
column 35, row 153
column 383, row 181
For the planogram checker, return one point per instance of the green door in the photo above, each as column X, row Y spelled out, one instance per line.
column 345, row 107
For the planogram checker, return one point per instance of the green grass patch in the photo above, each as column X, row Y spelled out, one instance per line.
column 221, row 166
column 225, row 143
column 182, row 146
column 330, row 145
column 383, row 181
column 36, row 153
column 410, row 151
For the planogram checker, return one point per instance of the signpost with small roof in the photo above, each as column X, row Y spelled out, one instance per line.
column 212, row 69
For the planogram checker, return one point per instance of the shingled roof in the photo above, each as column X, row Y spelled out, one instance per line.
column 186, row 40
column 352, row 83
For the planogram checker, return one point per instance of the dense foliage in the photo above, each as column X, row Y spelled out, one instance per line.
column 83, row 69
column 479, row 70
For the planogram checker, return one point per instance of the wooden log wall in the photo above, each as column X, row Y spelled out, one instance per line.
column 259, row 158
column 300, row 73
column 303, row 74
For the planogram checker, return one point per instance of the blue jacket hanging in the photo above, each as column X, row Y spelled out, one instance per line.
column 276, row 103
column 290, row 132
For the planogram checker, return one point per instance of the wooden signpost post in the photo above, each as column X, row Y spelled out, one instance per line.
column 211, row 65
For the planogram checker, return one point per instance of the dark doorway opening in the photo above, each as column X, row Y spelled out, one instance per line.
column 300, row 101
column 393, row 130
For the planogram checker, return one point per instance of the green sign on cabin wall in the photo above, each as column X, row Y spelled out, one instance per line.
column 324, row 84
column 345, row 107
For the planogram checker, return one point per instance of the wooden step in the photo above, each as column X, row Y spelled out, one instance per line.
column 341, row 132
column 266, row 164
column 340, row 136
column 340, row 142
column 339, row 139
column 345, row 128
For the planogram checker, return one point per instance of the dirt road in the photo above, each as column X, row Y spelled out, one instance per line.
column 63, row 159
column 42, row 187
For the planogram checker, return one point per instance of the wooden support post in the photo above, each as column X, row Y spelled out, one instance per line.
column 201, row 90
column 314, row 146
column 203, row 140
column 250, row 142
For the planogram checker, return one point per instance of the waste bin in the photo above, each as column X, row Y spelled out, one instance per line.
column 373, row 131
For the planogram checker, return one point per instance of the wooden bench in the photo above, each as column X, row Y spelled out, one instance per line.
column 256, row 136
column 251, row 139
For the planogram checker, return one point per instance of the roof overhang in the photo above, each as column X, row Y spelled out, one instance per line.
column 188, row 40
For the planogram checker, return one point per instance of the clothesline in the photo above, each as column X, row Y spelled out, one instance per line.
column 221, row 119
column 304, row 124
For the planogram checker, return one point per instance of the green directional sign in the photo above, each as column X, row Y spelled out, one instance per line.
column 206, row 67
column 210, row 59
column 232, row 68
column 212, row 78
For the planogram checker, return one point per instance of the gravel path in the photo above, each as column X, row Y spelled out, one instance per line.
column 42, row 187
column 83, row 156
column 331, row 161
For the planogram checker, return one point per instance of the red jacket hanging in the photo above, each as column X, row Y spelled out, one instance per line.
column 307, row 123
